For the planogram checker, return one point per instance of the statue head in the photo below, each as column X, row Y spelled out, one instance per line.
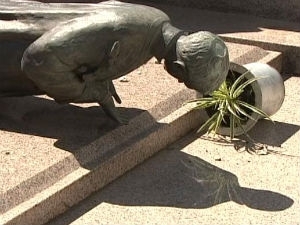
column 202, row 61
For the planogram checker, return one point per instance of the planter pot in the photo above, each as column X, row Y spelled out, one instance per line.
column 268, row 92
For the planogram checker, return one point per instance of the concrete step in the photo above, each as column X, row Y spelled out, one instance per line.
column 201, row 180
column 54, row 156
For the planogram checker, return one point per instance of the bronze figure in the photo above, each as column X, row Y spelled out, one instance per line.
column 75, row 60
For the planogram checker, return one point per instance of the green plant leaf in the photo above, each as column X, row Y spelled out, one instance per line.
column 199, row 100
column 233, row 111
column 240, row 89
column 236, row 93
column 254, row 109
column 205, row 105
column 219, row 95
column 224, row 89
column 208, row 123
column 232, row 126
column 218, row 121
column 241, row 111
column 202, row 103
column 236, row 83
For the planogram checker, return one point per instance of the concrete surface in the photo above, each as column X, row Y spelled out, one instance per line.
column 41, row 184
column 46, row 166
column 41, row 142
column 198, row 180
column 277, row 9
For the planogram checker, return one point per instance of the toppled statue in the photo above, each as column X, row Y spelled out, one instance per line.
column 75, row 61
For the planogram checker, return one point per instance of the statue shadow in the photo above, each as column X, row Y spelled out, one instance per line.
column 273, row 134
column 265, row 132
column 173, row 178
column 73, row 126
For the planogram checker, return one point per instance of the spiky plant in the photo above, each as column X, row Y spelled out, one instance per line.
column 228, row 105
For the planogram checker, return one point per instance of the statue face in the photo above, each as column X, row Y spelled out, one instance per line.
column 208, row 77
column 176, row 69
column 205, row 59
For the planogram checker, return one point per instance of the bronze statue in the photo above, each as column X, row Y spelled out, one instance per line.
column 77, row 59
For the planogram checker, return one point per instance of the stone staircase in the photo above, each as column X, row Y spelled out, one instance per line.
column 54, row 156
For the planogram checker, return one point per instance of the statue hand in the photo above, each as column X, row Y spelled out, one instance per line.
column 113, row 92
column 109, row 108
column 117, row 98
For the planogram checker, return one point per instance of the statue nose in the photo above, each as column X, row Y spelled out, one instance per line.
column 192, row 86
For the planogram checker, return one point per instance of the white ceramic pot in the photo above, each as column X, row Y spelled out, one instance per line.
column 269, row 92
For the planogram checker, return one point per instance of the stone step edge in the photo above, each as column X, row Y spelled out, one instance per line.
column 122, row 134
column 82, row 182
column 100, row 149
column 36, row 210
column 291, row 54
